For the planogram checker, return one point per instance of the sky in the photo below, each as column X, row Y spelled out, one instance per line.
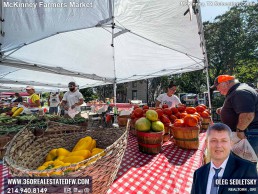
column 212, row 8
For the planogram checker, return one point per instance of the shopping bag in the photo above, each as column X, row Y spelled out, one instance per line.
column 243, row 148
column 72, row 112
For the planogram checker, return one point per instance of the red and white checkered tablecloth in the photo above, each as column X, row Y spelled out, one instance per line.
column 170, row 172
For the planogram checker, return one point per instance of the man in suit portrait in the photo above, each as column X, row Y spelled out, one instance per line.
column 224, row 164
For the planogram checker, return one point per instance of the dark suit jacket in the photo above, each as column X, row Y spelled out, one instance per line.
column 236, row 168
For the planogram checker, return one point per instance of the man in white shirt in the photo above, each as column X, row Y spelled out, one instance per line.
column 223, row 164
column 168, row 98
column 72, row 99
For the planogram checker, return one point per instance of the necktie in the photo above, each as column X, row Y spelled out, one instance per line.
column 214, row 188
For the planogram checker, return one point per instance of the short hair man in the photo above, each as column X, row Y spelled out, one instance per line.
column 72, row 98
column 240, row 108
column 169, row 97
column 223, row 163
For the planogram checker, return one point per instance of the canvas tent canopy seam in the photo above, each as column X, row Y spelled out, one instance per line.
column 119, row 41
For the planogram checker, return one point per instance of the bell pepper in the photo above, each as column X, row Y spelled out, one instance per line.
column 62, row 152
column 73, row 159
column 84, row 153
column 86, row 143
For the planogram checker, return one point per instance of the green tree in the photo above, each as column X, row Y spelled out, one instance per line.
column 88, row 94
column 232, row 43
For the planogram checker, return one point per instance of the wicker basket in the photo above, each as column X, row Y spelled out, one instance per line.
column 206, row 123
column 27, row 151
column 122, row 120
column 4, row 139
column 186, row 137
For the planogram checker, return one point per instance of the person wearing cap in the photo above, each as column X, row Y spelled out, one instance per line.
column 34, row 99
column 169, row 97
column 53, row 102
column 72, row 98
column 240, row 108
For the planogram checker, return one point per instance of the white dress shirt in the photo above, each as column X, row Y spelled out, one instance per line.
column 212, row 173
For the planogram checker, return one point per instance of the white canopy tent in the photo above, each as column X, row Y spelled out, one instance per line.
column 105, row 42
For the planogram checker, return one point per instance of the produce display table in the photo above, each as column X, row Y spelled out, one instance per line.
column 168, row 172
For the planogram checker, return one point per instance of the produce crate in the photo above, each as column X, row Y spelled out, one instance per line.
column 33, row 149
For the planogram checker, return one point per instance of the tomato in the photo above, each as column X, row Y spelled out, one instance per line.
column 172, row 118
column 179, row 123
column 138, row 112
column 160, row 112
column 145, row 107
column 203, row 105
column 183, row 115
column 136, row 106
column 190, row 120
column 133, row 115
column 167, row 111
column 174, row 110
column 164, row 119
column 190, row 110
column 205, row 114
column 200, row 108
column 164, row 106
column 181, row 108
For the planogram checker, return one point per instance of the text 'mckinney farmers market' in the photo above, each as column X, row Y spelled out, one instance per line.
column 41, row 4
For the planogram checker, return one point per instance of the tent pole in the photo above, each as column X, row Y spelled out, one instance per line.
column 201, row 32
column 115, row 124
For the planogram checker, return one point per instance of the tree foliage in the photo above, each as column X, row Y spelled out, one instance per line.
column 232, row 43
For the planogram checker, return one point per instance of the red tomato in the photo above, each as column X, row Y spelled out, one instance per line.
column 167, row 111
column 205, row 114
column 135, row 106
column 179, row 123
column 145, row 107
column 160, row 112
column 174, row 110
column 200, row 108
column 190, row 120
column 172, row 118
column 181, row 108
column 164, row 106
column 183, row 115
column 138, row 112
column 164, row 119
column 190, row 110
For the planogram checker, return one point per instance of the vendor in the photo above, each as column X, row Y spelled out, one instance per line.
column 240, row 108
column 72, row 99
column 34, row 100
column 169, row 97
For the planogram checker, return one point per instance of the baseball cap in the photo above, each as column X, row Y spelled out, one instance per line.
column 71, row 84
column 220, row 79
column 30, row 88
